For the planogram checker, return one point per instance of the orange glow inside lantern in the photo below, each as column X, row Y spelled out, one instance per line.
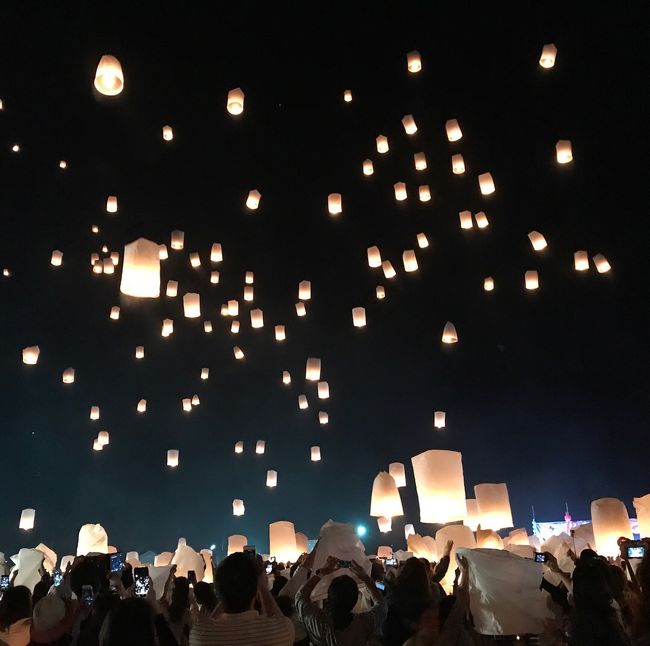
column 457, row 164
column 282, row 541
column 382, row 144
column 205, row 373
column 315, row 453
column 172, row 288
column 177, row 239
column 389, row 270
column 413, row 62
column 286, row 377
column 280, row 333
column 473, row 514
column 454, row 133
column 163, row 254
column 172, row 457
column 602, row 265
column 233, row 307
column 439, row 418
column 111, row 204
column 384, row 524
column 449, row 334
column 187, row 404
column 420, row 161
column 409, row 124
column 347, row 96
column 141, row 269
column 486, row 183
column 236, row 543
column 385, row 499
column 195, row 400
column 235, row 103
column 368, row 168
column 239, row 447
column 57, row 258
column 563, row 152
column 410, row 261
column 323, row 418
column 537, row 240
column 214, row 277
column 68, row 376
column 312, row 369
column 253, row 199
column 167, row 327
column 142, row 406
column 398, row 473
column 115, row 313
column 581, row 260
column 547, row 59
column 249, row 277
column 494, row 505
column 192, row 305
column 216, row 253
column 238, row 352
column 30, row 355
column 304, row 290
column 234, row 328
column 359, row 316
column 400, row 191
column 334, row 203
column 108, row 266
column 103, row 438
column 195, row 259
column 424, row 193
column 109, row 78
column 531, row 279
column 374, row 257
column 167, row 133
column 488, row 284
column 257, row 319
column 380, row 292
column 323, row 390
column 481, row 220
column 301, row 310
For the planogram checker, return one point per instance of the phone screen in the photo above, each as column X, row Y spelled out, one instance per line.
column 141, row 581
column 636, row 552
column 57, row 578
column 117, row 562
column 380, row 585
column 249, row 550
column 87, row 595
column 4, row 582
column 391, row 561
column 540, row 557
column 269, row 568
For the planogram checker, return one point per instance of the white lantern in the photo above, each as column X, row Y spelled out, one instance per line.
column 384, row 552
column 260, row 447
column 488, row 284
column 454, row 133
column 27, row 517
column 323, row 418
column 115, row 257
column 207, row 326
column 141, row 269
column 302, row 402
column 271, row 478
column 30, row 355
column 301, row 310
column 423, row 241
column 249, row 293
column 205, row 373
column 238, row 507
column 424, row 193
column 384, row 524
column 457, row 164
column 109, row 78
column 216, row 253
column 380, row 292
column 409, row 124
column 280, row 333
column 238, row 352
column 57, row 258
column 172, row 458
column 323, row 390
column 563, row 152
column 103, row 438
column 236, row 543
column 409, row 530
column 440, row 486
column 235, row 103
column 312, row 369
column 187, row 404
column 257, row 318
column 239, row 447
column 142, row 406
column 234, row 327
column 195, row 400
column 195, row 259
column 481, row 220
column 163, row 254
column 347, row 96
column 62, row 164
column 382, row 144
column 581, row 260
column 167, row 327
column 494, row 505
column 108, row 266
column 286, row 377
column 420, row 161
column 449, row 334
column 602, row 266
column 368, row 168
column 610, row 522
column 282, row 541
column 413, row 61
column 462, row 536
column 334, row 203
column 172, row 288
column 249, row 277
column 68, row 376
column 97, row 446
column 359, row 316
column 389, row 270
column 439, row 417
column 385, row 499
column 531, row 279
column 94, row 412
column 547, row 59
column 253, row 199
column 304, row 290
column 486, row 183
column 177, row 239
column 473, row 518
column 537, row 240
column 192, row 305
column 374, row 257
column 398, row 473
column 167, row 133
column 315, row 453
column 400, row 191
column 409, row 260
column 111, row 204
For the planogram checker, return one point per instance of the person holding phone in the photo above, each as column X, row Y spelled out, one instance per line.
column 15, row 616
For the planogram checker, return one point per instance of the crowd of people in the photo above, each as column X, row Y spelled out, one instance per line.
column 603, row 602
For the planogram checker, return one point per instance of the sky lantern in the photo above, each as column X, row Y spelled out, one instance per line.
column 249, row 278
column 271, row 478
column 30, row 355
column 547, row 59
column 303, row 404
column 238, row 352
column 192, row 305
column 413, row 61
column 374, row 257
column 301, row 310
column 172, row 288
column 486, row 183
column 195, row 400
column 440, row 486
column 141, row 269
column 103, row 438
column 142, row 406
column 382, row 144
column 424, row 193
column 347, row 96
column 385, row 499
column 68, row 376
column 531, row 279
column 56, row 258
column 94, row 258
column 216, row 252
column 234, row 328
column 163, row 254
column 257, row 319
column 581, row 260
column 312, row 369
column 177, row 239
column 195, row 260
column 109, row 78
column 315, row 453
column 94, row 412
column 642, row 507
column 449, row 334
column 323, row 390
column 359, row 316
column 236, row 543
column 563, row 152
column 537, row 240
column 420, row 161
column 207, row 327
column 115, row 258
column 461, row 535
column 111, row 204
column 439, row 418
column 473, row 514
column 304, row 290
column 249, row 293
column 27, row 517
column 214, row 277
column 253, row 199
column 15, row 148
column 280, row 333
column 398, row 473
column 481, row 220
column 494, row 505
column 187, row 404
column 488, row 284
column 97, row 446
column 409, row 260
column 286, row 377
column 400, row 191
column 368, row 168
column 205, row 373
column 115, row 313
column 238, row 507
column 323, row 418
column 239, row 446
column 423, row 241
column 108, row 266
column 602, row 265
column 610, row 521
column 260, row 447
column 235, row 103
column 167, row 327
column 409, row 124
column 334, row 203
column 384, row 524
column 457, row 164
column 454, row 133
column 389, row 270
column 233, row 307
column 282, row 541
column 172, row 458
column 167, row 133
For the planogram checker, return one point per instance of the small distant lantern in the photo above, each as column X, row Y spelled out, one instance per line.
column 234, row 327
column 374, row 257
column 423, row 241
column 286, row 377
column 581, row 260
column 111, row 204
column 238, row 507
column 304, row 290
column 15, row 148
column 260, row 447
column 334, row 203
column 385, row 524
column 466, row 220
column 409, row 124
column 214, row 277
column 27, row 517
column 30, row 355
column 167, row 327
column 172, row 458
column 94, row 412
column 235, row 104
column 249, row 277
column 537, row 240
column 253, row 199
column 368, row 168
column 424, row 193
column 115, row 258
column 195, row 259
column 177, row 239
column 163, row 254
column 563, row 152
column 486, row 183
column 398, row 473
column 400, row 191
column 323, row 390
column 109, row 78
column 380, row 292
column 142, row 406
column 413, row 61
column 457, row 164
column 192, row 305
column 98, row 268
column 68, row 376
column 108, row 266
column 409, row 260
column 115, row 312
column 257, row 318
column 301, row 310
column 94, row 228
column 271, row 478
column 57, row 258
column 420, row 161
column 238, row 352
column 323, row 418
column 481, row 220
column 205, row 373
column 97, row 446
column 216, row 253
column 347, row 96
column 207, row 327
column 233, row 308
column 454, row 133
column 439, row 418
column 187, row 404
column 302, row 402
column 449, row 334
column 94, row 258
column 315, row 453
column 389, row 270
column 103, row 438
column 382, row 144
column 239, row 446
column 531, row 279
column 167, row 133
column 602, row 265
column 63, row 164
column 312, row 369
column 547, row 59
column 280, row 333
column 224, row 310
column 488, row 284
column 195, row 400
column 359, row 316
column 172, row 288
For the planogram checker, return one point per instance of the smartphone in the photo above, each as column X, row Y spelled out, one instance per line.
column 4, row 581
column 345, row 563
column 269, row 568
column 87, row 595
column 191, row 577
column 141, row 581
column 380, row 585
column 57, row 578
column 117, row 562
column 390, row 562
column 540, row 557
column 249, row 550
column 635, row 551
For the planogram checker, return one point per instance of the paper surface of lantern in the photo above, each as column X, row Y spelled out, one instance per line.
column 368, row 168
column 205, row 373
column 30, row 355
column 56, row 258
column 488, row 284
column 233, row 307
column 400, row 191
column 439, row 418
column 420, row 161
column 494, row 505
column 103, row 438
column 384, row 552
column 610, row 522
column 167, row 327
column 257, row 319
column 409, row 530
column 424, row 193
column 214, row 277
column 359, row 316
column 481, row 220
column 107, row 266
column 409, row 260
column 642, row 507
column 323, row 418
column 380, row 292
column 111, row 204
column 253, row 199
column 304, row 290
column 216, row 253
column 282, row 541
column 238, row 508
column 27, row 517
column 312, row 369
column 413, row 61
column 602, row 265
column 142, row 406
column 109, row 78
column 301, row 310
column 235, row 103
column 92, row 539
column 249, row 277
column 234, row 328
column 409, row 124
column 462, row 536
column 537, row 240
column 486, row 183
column 302, row 402
column 172, row 288
column 423, row 241
column 531, row 279
column 115, row 258
column 280, row 333
column 440, row 486
column 457, row 164
column 334, row 203
column 238, row 352
column 167, row 133
column 449, row 334
column 454, row 133
column 398, row 473
column 347, row 96
column 177, row 239
column 239, row 447
column 68, row 376
column 315, row 453
column 488, row 539
column 195, row 259
column 581, row 260
column 547, row 59
column 192, row 305
column 271, row 478
column 472, row 519
column 141, row 269
column 382, row 144
column 236, row 543
column 563, row 152
column 389, row 270
column 195, row 400
column 374, row 257
column 187, row 404
column 94, row 412
column 260, row 447
column 163, row 254
column 384, row 524
column 286, row 377
column 207, row 326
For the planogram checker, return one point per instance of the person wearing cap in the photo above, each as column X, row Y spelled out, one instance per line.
column 52, row 621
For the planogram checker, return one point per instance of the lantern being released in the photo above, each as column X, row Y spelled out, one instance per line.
column 413, row 61
column 315, row 453
column 537, row 240
column 610, row 522
column 27, row 517
column 454, row 133
column 457, row 164
column 271, row 478
column 334, row 203
column 236, row 543
column 359, row 316
column 439, row 417
column 238, row 507
column 235, row 103
column 282, row 541
column 167, row 133
column 253, row 199
column 111, row 204
column 368, row 168
column 109, row 78
column 494, row 505
column 400, row 191
column 30, row 355
column 473, row 514
column 581, row 260
column 382, row 144
column 449, row 334
column 486, row 183
column 563, row 152
column 385, row 500
column 602, row 265
column 547, row 59
column 141, row 269
column 172, row 458
column 440, row 486
column 312, row 369
column 384, row 524
column 409, row 124
column 398, row 473
column 531, row 279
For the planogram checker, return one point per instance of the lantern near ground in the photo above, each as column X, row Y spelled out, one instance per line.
column 424, row 193
column 454, row 133
column 236, row 543
column 68, row 376
column 334, row 203
column 420, row 161
column 610, row 522
column 494, row 505
column 409, row 124
column 488, row 539
column 531, row 279
column 472, row 519
column 187, row 404
column 27, row 517
column 94, row 412
column 302, row 402
column 260, row 447
column 368, row 168
column 280, row 333
column 486, row 183
column 257, row 319
column 271, row 478
column 382, row 144
column 547, row 59
column 192, row 305
column 414, row 61
column 440, row 486
column 103, row 438
column 235, row 103
column 439, row 418
column 172, row 458
column 563, row 152
column 172, row 288
column 398, row 473
column 537, row 240
column 30, row 355
column 400, row 191
column 315, row 453
column 449, row 334
column 581, row 260
column 304, row 290
column 282, row 541
column 359, row 316
column 384, row 552
column 409, row 530
column 602, row 266
column 111, row 204
column 238, row 352
column 323, row 418
column 380, row 292
column 109, row 78
column 347, row 96
column 488, row 283
column 323, row 390
column 389, row 270
column 642, row 507
column 457, row 164
column 239, row 446
column 465, row 220
column 167, row 133
column 141, row 269
column 167, row 327
column 481, row 220
column 301, row 310
column 374, row 257
column 409, row 260
column 238, row 507
column 253, row 199
column 177, row 239
column 312, row 369
column 286, row 377
column 142, row 406
column 384, row 524
column 461, row 535
column 57, row 258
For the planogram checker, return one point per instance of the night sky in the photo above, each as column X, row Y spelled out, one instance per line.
column 547, row 390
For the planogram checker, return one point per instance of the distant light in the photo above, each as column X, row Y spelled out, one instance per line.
column 213, row 546
column 15, row 148
column 361, row 530
column 63, row 164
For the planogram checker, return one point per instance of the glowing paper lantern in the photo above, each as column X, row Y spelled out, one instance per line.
column 384, row 552
column 494, row 505
column 195, row 259
column 167, row 327
column 187, row 404
column 235, row 104
column 400, row 191
column 642, row 507
column 207, row 326
column 581, row 260
column 413, row 61
column 424, row 193
column 172, row 458
column 547, row 59
column 94, row 412
column 233, row 307
column 192, row 305
column 111, row 204
column 481, row 220
column 462, row 536
column 420, row 161
column 27, row 517
column 384, row 524
column 315, row 453
column 302, row 402
column 563, row 152
column 177, row 239
column 382, row 144
column 610, row 522
column 216, row 253
column 282, row 541
column 108, row 266
column 304, row 290
column 457, row 164
column 449, row 334
column 142, row 406
column 537, row 240
column 359, row 316
column 15, row 148
column 398, row 473
column 454, row 133
column 380, row 292
column 518, row 536
column 374, row 257
column 286, row 377
column 389, row 270
column 214, row 277
column 312, row 369
column 271, row 478
column 115, row 257
column 440, row 486
column 531, row 279
column 141, row 269
column 205, row 373
column 238, row 507
column 488, row 284
column 439, row 419
column 249, row 277
column 347, row 96
column 167, row 133
column 260, row 446
column 253, row 199
column 94, row 258
column 195, row 400
column 172, row 288
column 257, row 318
column 109, row 78
column 409, row 260
column 409, row 124
column 239, row 447
column 301, row 310
column 473, row 514
column 236, row 543
column 280, row 333
column 334, row 203
column 323, row 418
column 103, row 438
column 30, row 355
column 488, row 539
column 323, row 390
column 97, row 446
column 602, row 266
column 234, row 328
column 238, row 352
column 486, row 183
column 57, row 258
column 68, row 376
column 163, row 254
column 368, row 168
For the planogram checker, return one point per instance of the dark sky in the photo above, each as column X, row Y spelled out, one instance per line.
column 547, row 391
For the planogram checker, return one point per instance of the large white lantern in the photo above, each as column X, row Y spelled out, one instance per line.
column 494, row 505
column 253, row 199
column 141, row 269
column 537, row 240
column 359, row 316
column 282, row 541
column 27, row 517
column 610, row 522
column 334, row 203
column 238, row 508
column 486, row 183
column 304, row 290
column 271, row 478
column 312, row 369
column 385, row 524
column 385, row 499
column 473, row 514
column 409, row 124
column 192, row 305
column 236, row 543
column 30, row 355
column 172, row 458
column 315, row 453
column 109, row 78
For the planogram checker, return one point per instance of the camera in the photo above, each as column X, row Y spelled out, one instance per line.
column 4, row 582
column 57, row 578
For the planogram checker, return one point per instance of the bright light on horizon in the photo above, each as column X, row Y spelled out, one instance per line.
column 361, row 530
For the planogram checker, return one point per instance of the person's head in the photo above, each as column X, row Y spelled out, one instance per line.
column 52, row 620
column 129, row 623
column 342, row 596
column 180, row 600
column 205, row 595
column 16, row 604
column 277, row 573
column 592, row 590
column 413, row 579
column 86, row 572
column 40, row 590
column 237, row 582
